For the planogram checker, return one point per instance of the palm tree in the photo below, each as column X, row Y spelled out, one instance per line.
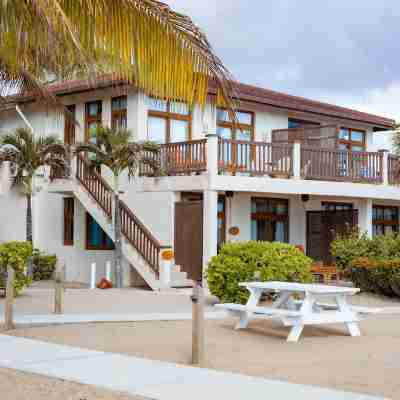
column 111, row 148
column 142, row 42
column 27, row 153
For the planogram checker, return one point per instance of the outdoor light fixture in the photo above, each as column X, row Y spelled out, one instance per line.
column 229, row 193
column 305, row 198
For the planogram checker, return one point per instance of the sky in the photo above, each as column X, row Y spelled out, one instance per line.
column 344, row 52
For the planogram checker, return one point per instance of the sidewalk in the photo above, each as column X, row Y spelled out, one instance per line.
column 59, row 319
column 148, row 378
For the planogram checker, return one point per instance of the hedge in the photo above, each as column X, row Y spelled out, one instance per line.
column 247, row 261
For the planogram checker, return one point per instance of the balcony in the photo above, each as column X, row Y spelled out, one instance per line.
column 275, row 160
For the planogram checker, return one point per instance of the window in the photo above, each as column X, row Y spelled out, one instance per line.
column 168, row 121
column 227, row 130
column 119, row 112
column 221, row 221
column 351, row 139
column 335, row 206
column 385, row 220
column 69, row 126
column 68, row 221
column 299, row 123
column 96, row 238
column 92, row 118
column 270, row 219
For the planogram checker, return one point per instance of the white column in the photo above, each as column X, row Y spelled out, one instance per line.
column 210, row 225
column 176, row 196
column 212, row 154
column 296, row 160
column 93, row 276
column 365, row 216
column 385, row 167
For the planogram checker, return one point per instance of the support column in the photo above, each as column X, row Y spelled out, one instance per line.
column 296, row 160
column 212, row 154
column 210, row 226
column 385, row 166
column 365, row 216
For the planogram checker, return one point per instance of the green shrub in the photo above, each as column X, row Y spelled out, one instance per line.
column 379, row 276
column 15, row 254
column 43, row 265
column 244, row 261
column 347, row 248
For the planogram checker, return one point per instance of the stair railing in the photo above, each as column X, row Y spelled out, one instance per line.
column 132, row 228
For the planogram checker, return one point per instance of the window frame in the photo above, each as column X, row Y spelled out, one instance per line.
column 90, row 119
column 69, row 126
column 68, row 221
column 349, row 143
column 385, row 222
column 169, row 116
column 232, row 126
column 267, row 216
column 103, row 246
column 119, row 113
column 336, row 204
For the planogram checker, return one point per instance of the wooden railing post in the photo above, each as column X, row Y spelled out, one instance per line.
column 385, row 166
column 8, row 311
column 212, row 154
column 297, row 160
column 59, row 291
column 198, row 339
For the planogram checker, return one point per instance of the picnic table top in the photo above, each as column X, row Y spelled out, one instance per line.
column 300, row 287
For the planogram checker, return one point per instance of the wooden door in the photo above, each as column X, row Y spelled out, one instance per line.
column 188, row 241
column 323, row 227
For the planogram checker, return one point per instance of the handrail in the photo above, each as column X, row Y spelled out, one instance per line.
column 256, row 158
column 98, row 188
column 132, row 228
column 341, row 165
column 140, row 237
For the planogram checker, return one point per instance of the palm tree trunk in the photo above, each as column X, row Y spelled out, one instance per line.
column 117, row 237
column 29, row 217
column 29, row 236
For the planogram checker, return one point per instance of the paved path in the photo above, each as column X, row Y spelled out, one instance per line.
column 154, row 379
column 52, row 319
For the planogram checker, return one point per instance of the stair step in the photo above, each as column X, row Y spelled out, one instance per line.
column 178, row 276
column 182, row 283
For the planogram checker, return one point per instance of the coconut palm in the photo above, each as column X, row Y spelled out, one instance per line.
column 142, row 42
column 27, row 153
column 111, row 148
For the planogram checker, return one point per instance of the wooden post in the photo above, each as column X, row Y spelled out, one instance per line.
column 59, row 292
column 8, row 312
column 198, row 343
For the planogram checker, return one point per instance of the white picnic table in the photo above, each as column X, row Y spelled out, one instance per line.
column 294, row 312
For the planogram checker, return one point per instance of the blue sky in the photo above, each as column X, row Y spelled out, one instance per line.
column 342, row 51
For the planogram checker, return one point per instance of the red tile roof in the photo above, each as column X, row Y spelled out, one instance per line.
column 245, row 93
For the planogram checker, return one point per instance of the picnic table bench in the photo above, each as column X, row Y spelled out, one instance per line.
column 298, row 313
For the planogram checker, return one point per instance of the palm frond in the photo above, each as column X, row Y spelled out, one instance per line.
column 143, row 42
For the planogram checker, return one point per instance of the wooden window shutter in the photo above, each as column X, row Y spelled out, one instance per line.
column 69, row 221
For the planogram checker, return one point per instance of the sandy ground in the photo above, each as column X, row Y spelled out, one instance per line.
column 39, row 299
column 325, row 356
column 16, row 385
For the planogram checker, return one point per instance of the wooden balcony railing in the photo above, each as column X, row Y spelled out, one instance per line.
column 179, row 158
column 340, row 165
column 255, row 158
column 393, row 169
column 94, row 184
column 140, row 237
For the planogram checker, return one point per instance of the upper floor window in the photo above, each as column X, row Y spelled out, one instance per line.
column 385, row 220
column 299, row 123
column 119, row 112
column 168, row 121
column 351, row 139
column 227, row 129
column 92, row 117
column 69, row 126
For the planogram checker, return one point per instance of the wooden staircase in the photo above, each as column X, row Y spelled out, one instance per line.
column 139, row 246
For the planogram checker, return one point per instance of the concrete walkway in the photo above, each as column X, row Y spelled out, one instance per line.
column 59, row 319
column 148, row 378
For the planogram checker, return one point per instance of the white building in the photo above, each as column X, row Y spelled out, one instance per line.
column 298, row 171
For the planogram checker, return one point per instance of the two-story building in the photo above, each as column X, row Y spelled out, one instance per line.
column 295, row 170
